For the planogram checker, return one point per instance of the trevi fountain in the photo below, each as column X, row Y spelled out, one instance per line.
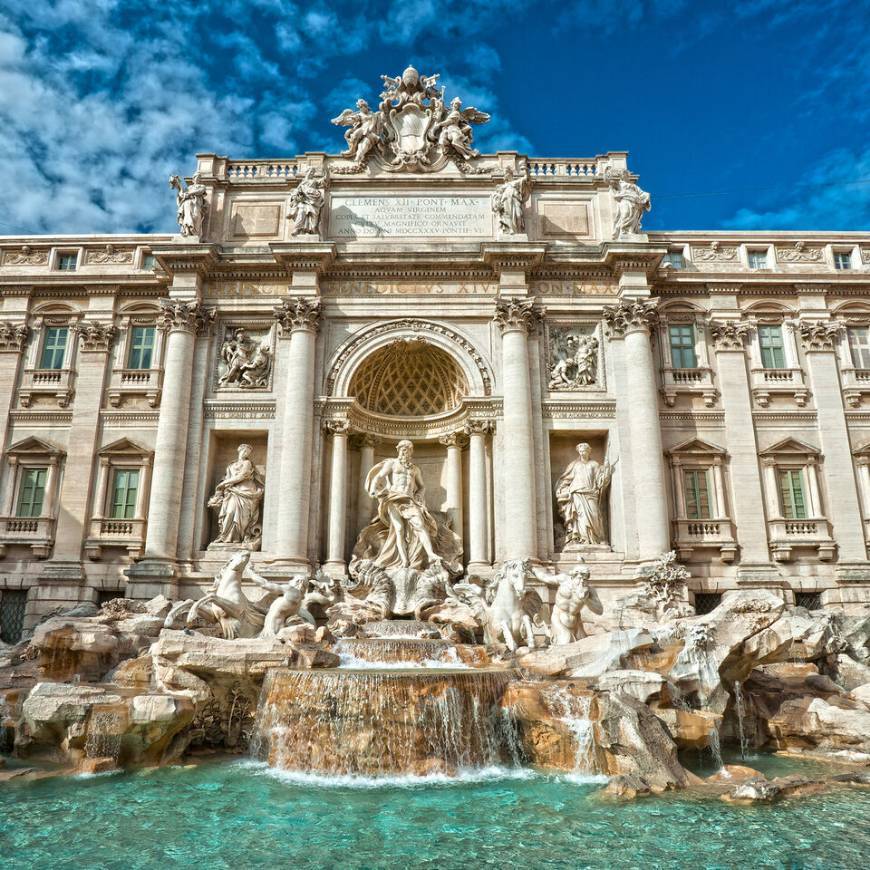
column 439, row 537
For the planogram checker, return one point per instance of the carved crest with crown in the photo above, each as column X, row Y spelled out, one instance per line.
column 413, row 129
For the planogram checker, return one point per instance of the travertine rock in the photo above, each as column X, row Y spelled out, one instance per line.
column 588, row 657
column 643, row 685
column 822, row 725
column 851, row 674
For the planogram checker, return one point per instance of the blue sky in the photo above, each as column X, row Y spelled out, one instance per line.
column 752, row 114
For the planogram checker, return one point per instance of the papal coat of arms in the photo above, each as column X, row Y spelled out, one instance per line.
column 412, row 129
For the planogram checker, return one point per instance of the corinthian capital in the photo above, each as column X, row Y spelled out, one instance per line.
column 819, row 335
column 187, row 316
column 729, row 334
column 13, row 336
column 630, row 316
column 298, row 312
column 478, row 427
column 336, row 427
column 516, row 314
column 95, row 336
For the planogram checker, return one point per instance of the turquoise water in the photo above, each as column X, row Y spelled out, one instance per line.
column 241, row 815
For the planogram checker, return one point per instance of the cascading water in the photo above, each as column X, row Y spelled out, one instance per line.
column 373, row 722
column 740, row 710
column 405, row 652
column 574, row 711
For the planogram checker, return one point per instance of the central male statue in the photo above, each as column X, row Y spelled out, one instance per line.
column 404, row 534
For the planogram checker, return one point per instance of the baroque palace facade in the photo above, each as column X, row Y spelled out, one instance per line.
column 170, row 398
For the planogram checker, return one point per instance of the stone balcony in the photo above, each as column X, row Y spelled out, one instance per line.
column 697, row 381
column 55, row 383
column 718, row 534
column 779, row 382
column 135, row 382
column 122, row 534
column 812, row 534
column 34, row 532
column 856, row 385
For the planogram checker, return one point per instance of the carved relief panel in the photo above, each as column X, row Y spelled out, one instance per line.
column 245, row 357
column 574, row 361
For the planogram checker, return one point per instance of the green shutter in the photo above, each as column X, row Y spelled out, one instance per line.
column 53, row 347
column 697, row 495
column 683, row 346
column 792, row 493
column 772, row 351
column 141, row 347
column 31, row 492
column 124, row 489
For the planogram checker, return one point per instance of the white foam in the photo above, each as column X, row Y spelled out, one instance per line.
column 349, row 661
column 322, row 780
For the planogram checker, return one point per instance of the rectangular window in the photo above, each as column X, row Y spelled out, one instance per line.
column 31, row 493
column 772, row 349
column 141, row 347
column 791, row 491
column 675, row 260
column 682, row 337
column 859, row 346
column 149, row 262
column 67, row 262
column 125, row 485
column 54, row 347
column 697, row 494
column 12, row 605
column 842, row 259
column 757, row 259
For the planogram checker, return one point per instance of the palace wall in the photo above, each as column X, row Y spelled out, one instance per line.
column 735, row 363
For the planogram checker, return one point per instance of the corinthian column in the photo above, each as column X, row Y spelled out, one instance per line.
column 454, row 443
column 515, row 318
column 299, row 318
column 632, row 323
column 364, row 502
column 183, row 321
column 337, row 494
column 478, row 551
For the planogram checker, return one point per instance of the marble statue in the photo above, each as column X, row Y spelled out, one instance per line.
column 365, row 129
column 575, row 363
column 191, row 204
column 573, row 593
column 306, row 203
column 288, row 606
column 404, row 533
column 507, row 616
column 238, row 496
column 508, row 201
column 454, row 129
column 247, row 361
column 631, row 203
column 412, row 128
column 226, row 603
column 580, row 493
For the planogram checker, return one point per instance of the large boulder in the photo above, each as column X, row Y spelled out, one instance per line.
column 69, row 646
column 588, row 657
column 797, row 635
column 851, row 674
column 646, row 686
column 834, row 725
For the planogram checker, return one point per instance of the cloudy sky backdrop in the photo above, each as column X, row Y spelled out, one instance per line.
column 750, row 114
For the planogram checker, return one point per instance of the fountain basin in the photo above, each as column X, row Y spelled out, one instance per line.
column 371, row 722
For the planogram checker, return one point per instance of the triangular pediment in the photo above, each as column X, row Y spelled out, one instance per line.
column 124, row 446
column 789, row 446
column 863, row 450
column 698, row 447
column 32, row 446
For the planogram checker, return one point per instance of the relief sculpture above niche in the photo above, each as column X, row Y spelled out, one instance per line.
column 245, row 359
column 573, row 362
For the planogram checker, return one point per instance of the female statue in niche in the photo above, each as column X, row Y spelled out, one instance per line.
column 239, row 496
column 580, row 494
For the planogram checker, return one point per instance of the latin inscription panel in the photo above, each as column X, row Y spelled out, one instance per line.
column 409, row 216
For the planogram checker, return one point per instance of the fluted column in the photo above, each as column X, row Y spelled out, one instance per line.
column 843, row 509
column 515, row 318
column 183, row 321
column 632, row 322
column 454, row 444
column 364, row 502
column 478, row 535
column 337, row 494
column 299, row 318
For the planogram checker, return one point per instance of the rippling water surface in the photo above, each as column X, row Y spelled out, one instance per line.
column 242, row 815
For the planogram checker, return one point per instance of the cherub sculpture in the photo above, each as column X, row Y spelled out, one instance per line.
column 365, row 129
column 573, row 593
column 454, row 129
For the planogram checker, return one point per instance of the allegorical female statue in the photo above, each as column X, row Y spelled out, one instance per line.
column 239, row 496
column 580, row 495
column 404, row 534
column 508, row 200
column 306, row 203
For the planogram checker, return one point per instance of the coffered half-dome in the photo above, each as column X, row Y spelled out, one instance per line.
column 409, row 378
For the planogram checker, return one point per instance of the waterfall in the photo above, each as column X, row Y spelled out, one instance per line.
column 741, row 715
column 384, row 722
column 407, row 652
column 574, row 711
column 716, row 748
